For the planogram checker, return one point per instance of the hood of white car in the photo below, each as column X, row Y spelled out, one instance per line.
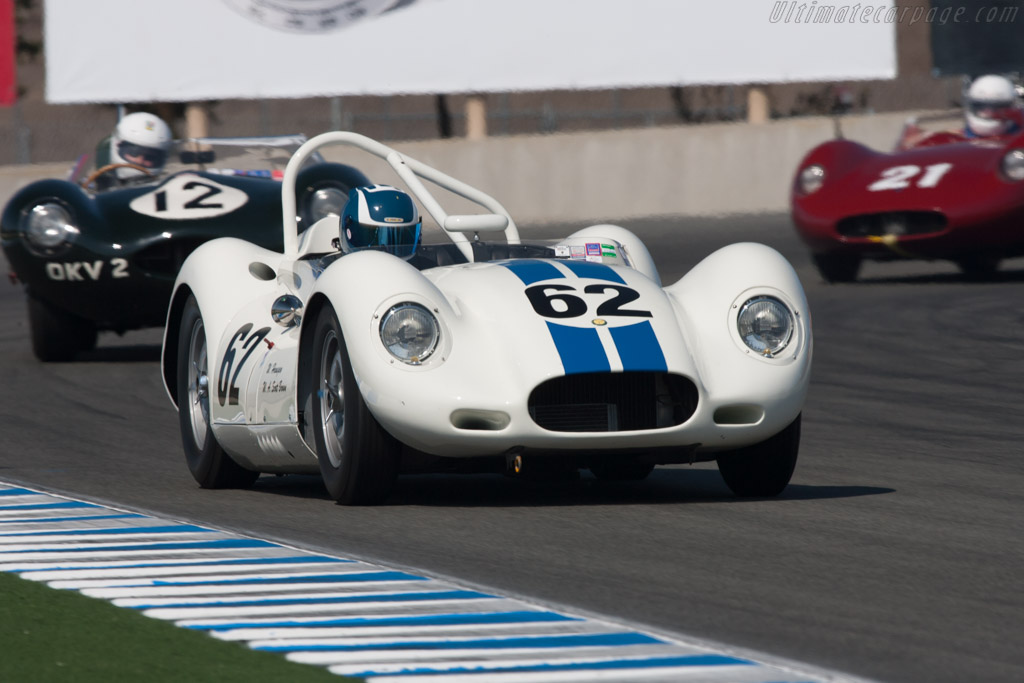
column 566, row 316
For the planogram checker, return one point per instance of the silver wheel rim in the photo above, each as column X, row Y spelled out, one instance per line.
column 332, row 398
column 198, row 385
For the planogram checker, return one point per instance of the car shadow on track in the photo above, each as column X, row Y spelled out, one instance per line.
column 877, row 277
column 664, row 486
column 133, row 353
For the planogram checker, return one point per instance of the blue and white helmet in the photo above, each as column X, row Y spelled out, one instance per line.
column 380, row 217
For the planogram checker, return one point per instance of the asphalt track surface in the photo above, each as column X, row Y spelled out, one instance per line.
column 896, row 553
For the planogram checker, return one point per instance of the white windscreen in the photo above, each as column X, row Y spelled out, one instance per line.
column 190, row 50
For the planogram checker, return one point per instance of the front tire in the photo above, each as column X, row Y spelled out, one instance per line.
column 358, row 458
column 211, row 467
column 764, row 469
column 58, row 336
column 837, row 267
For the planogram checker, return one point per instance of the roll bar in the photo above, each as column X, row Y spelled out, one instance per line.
column 410, row 171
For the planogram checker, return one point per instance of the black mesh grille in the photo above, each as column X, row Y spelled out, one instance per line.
column 892, row 223
column 613, row 402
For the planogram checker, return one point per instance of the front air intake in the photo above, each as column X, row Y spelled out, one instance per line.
column 896, row 223
column 613, row 402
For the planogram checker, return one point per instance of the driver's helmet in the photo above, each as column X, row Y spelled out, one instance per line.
column 991, row 107
column 141, row 139
column 381, row 217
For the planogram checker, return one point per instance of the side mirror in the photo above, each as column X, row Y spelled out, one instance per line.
column 485, row 222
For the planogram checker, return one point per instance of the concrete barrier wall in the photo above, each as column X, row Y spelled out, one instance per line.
column 614, row 175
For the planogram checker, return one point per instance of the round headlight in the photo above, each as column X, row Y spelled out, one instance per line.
column 765, row 325
column 812, row 178
column 327, row 201
column 47, row 226
column 1013, row 164
column 410, row 333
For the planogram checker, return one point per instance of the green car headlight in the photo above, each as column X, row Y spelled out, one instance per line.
column 327, row 201
column 47, row 227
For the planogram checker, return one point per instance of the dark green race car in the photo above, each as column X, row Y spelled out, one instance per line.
column 94, row 260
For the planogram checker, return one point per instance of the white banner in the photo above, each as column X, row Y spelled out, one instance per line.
column 190, row 50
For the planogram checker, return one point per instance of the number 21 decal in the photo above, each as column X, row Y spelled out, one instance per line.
column 899, row 177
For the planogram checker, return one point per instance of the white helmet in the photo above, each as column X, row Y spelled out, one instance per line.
column 990, row 107
column 141, row 139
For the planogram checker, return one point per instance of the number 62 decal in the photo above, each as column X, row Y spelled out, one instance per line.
column 543, row 298
column 898, row 177
column 227, row 387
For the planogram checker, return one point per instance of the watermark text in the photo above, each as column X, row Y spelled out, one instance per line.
column 815, row 12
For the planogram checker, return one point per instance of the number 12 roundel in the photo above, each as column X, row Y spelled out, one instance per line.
column 187, row 197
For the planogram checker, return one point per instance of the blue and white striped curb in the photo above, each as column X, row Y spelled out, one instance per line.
column 350, row 616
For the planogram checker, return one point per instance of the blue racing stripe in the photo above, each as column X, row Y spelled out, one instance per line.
column 84, row 518
column 19, row 492
column 482, row 618
column 197, row 545
column 49, row 506
column 530, row 271
column 348, row 577
column 652, row 663
column 579, row 348
column 180, row 528
column 585, row 640
column 190, row 562
column 593, row 271
column 288, row 600
column 638, row 347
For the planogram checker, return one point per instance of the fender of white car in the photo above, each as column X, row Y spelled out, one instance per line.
column 232, row 281
column 708, row 299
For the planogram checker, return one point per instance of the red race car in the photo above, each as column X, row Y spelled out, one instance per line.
column 938, row 195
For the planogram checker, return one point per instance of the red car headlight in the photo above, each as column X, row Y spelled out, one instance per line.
column 811, row 179
column 1013, row 164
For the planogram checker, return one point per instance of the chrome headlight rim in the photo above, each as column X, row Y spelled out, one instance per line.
column 768, row 346
column 415, row 352
column 1012, row 165
column 48, row 227
column 811, row 179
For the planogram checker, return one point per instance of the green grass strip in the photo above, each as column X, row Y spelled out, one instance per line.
column 61, row 635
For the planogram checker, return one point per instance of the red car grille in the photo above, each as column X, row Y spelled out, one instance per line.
column 897, row 223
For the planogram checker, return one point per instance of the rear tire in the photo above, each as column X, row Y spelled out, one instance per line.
column 358, row 458
column 764, row 469
column 210, row 466
column 837, row 267
column 58, row 336
column 979, row 267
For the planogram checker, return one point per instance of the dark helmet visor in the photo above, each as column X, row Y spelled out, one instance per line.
column 991, row 109
column 399, row 240
column 140, row 154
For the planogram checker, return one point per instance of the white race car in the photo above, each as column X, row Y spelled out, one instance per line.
column 537, row 359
